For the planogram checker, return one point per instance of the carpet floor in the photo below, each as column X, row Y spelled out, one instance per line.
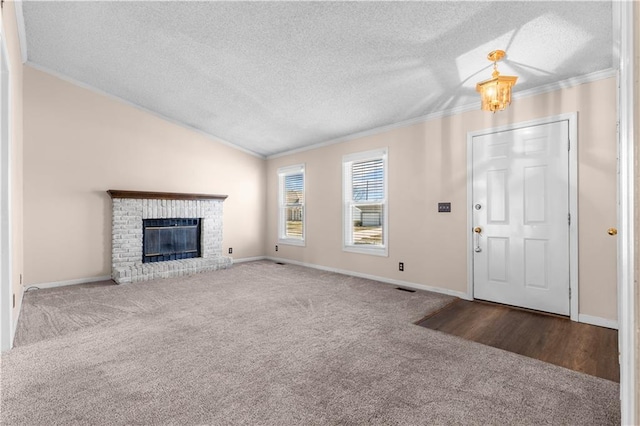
column 263, row 343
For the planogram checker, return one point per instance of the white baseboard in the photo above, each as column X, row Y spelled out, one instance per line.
column 460, row 294
column 70, row 282
column 601, row 322
column 248, row 259
column 587, row 319
column 108, row 277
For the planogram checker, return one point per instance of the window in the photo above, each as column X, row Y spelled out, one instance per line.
column 291, row 204
column 364, row 177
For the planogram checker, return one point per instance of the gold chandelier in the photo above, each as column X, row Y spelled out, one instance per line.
column 496, row 92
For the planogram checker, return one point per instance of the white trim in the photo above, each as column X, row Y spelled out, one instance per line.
column 295, row 168
column 470, row 256
column 384, row 280
column 7, row 321
column 564, row 84
column 70, row 282
column 292, row 241
column 288, row 170
column 283, row 172
column 626, row 232
column 369, row 250
column 522, row 124
column 248, row 259
column 574, row 236
column 600, row 322
column 347, row 218
column 22, row 34
column 141, row 108
column 372, row 154
column 572, row 119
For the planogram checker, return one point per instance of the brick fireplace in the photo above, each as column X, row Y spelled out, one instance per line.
column 132, row 208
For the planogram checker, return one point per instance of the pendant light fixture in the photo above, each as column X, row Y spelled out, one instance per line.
column 495, row 93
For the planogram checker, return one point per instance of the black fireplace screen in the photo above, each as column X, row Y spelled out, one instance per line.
column 170, row 239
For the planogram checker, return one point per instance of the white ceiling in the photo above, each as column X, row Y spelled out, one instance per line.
column 275, row 76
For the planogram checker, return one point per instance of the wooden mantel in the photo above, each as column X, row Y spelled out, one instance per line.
column 142, row 195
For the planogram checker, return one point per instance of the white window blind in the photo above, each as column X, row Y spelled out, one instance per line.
column 365, row 198
column 291, row 204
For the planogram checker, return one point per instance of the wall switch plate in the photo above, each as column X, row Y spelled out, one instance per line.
column 230, row 250
column 444, row 207
column 401, row 266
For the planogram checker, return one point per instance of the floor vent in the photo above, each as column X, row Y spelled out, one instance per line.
column 405, row 289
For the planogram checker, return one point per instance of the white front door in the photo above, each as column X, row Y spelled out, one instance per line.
column 521, row 217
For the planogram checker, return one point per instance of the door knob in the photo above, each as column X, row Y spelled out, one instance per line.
column 612, row 231
column 477, row 230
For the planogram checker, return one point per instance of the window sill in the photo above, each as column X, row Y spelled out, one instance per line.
column 291, row 242
column 375, row 251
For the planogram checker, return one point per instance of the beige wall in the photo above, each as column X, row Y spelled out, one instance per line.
column 78, row 144
column 427, row 164
column 16, row 129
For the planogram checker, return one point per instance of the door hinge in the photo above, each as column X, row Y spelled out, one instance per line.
column 568, row 144
column 569, row 218
column 569, row 293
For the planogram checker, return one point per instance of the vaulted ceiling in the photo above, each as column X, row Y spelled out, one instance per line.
column 275, row 76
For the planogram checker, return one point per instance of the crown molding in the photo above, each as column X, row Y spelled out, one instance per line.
column 564, row 84
column 378, row 130
column 574, row 81
column 141, row 108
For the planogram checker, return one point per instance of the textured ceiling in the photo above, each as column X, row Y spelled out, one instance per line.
column 275, row 76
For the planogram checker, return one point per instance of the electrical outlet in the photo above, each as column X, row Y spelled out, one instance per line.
column 401, row 266
column 444, row 207
column 276, row 248
column 230, row 250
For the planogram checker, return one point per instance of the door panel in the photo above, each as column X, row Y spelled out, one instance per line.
column 535, row 195
column 497, row 196
column 521, row 190
column 536, row 263
column 498, row 258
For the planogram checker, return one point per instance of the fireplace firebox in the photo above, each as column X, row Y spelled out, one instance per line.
column 170, row 239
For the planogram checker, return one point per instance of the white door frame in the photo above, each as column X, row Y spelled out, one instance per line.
column 572, row 118
column 624, row 17
column 6, row 299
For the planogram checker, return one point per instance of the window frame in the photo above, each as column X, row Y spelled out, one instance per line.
column 347, row 203
column 283, row 172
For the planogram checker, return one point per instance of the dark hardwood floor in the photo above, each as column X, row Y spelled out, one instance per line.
column 554, row 339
